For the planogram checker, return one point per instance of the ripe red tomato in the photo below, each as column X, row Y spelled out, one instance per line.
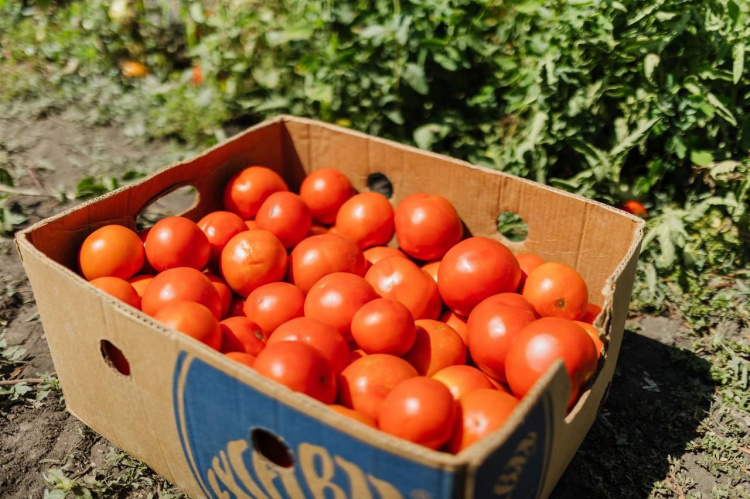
column 376, row 253
column 240, row 334
column 251, row 225
column 119, row 288
column 324, row 191
column 512, row 300
column 481, row 413
column 242, row 358
column 420, row 410
column 113, row 251
column 324, row 338
column 247, row 190
column 427, row 226
column 461, row 380
column 592, row 312
column 437, row 346
column 635, row 208
column 401, row 280
column 491, row 329
column 251, row 259
column 225, row 293
column 384, row 326
column 594, row 334
column 140, row 282
column 181, row 284
column 457, row 322
column 299, row 367
column 351, row 413
column 286, row 216
column 557, row 290
column 192, row 319
column 318, row 256
column 356, row 355
column 364, row 383
column 474, row 269
column 528, row 263
column 273, row 304
column 177, row 242
column 432, row 269
column 366, row 219
column 543, row 342
column 236, row 308
column 317, row 230
column 336, row 298
column 219, row 227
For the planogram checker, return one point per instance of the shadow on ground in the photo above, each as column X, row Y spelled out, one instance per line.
column 658, row 398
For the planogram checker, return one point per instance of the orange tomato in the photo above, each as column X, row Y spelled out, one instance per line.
column 197, row 75
column 192, row 319
column 119, row 288
column 432, row 269
column 480, row 413
column 592, row 312
column 461, row 380
column 324, row 191
column 594, row 334
column 133, row 69
column 240, row 334
column 225, row 294
column 364, row 384
column 427, row 226
column 491, row 329
column 251, row 259
column 366, row 219
column 528, row 262
column 140, row 283
column 635, row 208
column 181, row 284
column 510, row 299
column 219, row 227
column 420, row 410
column 286, row 216
column 299, row 367
column 376, row 253
column 437, row 346
column 242, row 358
column 351, row 413
column 543, row 342
column 336, row 298
column 557, row 290
column 457, row 322
column 384, row 326
column 177, row 242
column 318, row 256
column 113, row 251
column 474, row 269
column 247, row 190
column 402, row 280
column 324, row 338
column 273, row 304
column 237, row 307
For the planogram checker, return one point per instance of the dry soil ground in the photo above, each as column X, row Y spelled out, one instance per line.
column 656, row 407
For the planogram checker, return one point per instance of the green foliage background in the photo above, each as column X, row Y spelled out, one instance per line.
column 643, row 99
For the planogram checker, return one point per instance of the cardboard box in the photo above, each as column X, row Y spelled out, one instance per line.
column 214, row 427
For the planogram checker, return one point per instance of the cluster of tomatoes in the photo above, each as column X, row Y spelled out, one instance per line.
column 435, row 341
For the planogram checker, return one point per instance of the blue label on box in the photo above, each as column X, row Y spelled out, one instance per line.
column 221, row 419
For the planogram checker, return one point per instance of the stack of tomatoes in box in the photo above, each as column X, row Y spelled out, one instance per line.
column 434, row 341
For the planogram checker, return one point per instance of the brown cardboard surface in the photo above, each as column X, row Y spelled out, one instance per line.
column 136, row 412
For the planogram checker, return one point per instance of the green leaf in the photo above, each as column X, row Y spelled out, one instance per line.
column 701, row 158
column 426, row 135
column 721, row 109
column 738, row 61
column 5, row 177
column 649, row 64
column 414, row 76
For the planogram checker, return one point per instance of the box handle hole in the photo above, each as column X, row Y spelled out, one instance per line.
column 174, row 201
column 114, row 358
column 512, row 227
column 377, row 182
column 271, row 447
